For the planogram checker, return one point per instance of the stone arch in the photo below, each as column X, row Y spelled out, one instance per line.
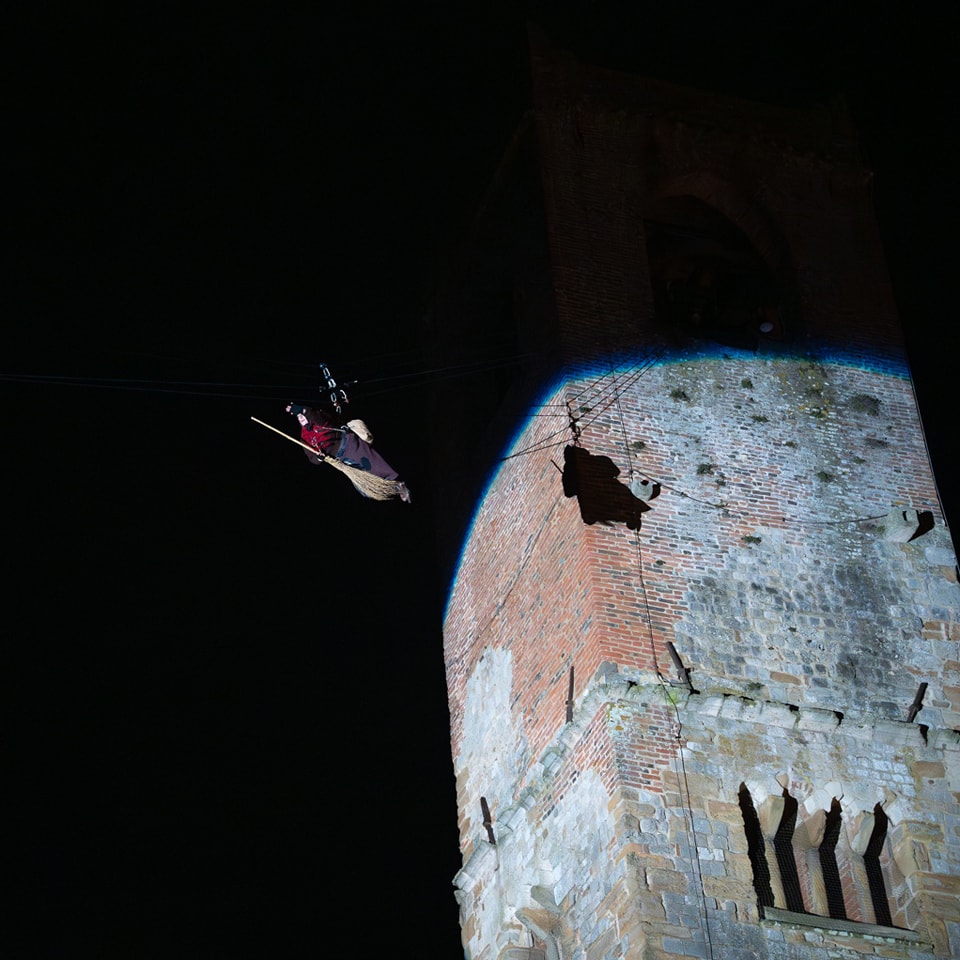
column 848, row 861
column 544, row 919
column 719, row 267
column 786, row 854
column 743, row 213
column 868, row 841
column 816, row 841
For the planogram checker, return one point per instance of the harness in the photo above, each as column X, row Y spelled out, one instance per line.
column 337, row 395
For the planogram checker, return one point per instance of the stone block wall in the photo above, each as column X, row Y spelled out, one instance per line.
column 659, row 865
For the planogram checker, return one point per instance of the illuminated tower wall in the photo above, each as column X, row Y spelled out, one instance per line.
column 702, row 635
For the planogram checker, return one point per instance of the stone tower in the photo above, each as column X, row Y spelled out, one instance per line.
column 702, row 635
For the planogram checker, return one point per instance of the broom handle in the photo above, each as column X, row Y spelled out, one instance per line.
column 287, row 436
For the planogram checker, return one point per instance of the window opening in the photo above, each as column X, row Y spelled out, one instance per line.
column 828, row 863
column 786, row 861
column 755, row 849
column 708, row 280
column 871, row 862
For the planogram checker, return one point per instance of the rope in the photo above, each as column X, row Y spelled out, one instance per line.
column 689, row 822
column 415, row 379
column 564, row 410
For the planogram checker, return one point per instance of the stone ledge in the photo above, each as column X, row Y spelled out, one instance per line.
column 847, row 927
column 785, row 716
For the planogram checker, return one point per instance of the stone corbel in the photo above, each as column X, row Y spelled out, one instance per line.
column 809, row 834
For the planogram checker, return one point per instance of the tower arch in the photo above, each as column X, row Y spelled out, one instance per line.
column 719, row 268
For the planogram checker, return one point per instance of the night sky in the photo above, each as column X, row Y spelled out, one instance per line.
column 226, row 729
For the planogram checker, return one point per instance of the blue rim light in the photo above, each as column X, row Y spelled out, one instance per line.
column 626, row 363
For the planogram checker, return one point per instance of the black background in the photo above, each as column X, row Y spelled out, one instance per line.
column 226, row 728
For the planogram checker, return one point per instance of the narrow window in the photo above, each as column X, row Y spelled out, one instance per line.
column 871, row 862
column 786, row 861
column 828, row 863
column 755, row 849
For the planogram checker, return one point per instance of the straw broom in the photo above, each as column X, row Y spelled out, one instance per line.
column 368, row 484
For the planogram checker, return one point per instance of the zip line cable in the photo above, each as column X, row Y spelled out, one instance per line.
column 240, row 390
column 448, row 373
column 133, row 386
column 548, row 441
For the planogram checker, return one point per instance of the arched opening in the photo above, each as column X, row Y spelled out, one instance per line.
column 871, row 863
column 786, row 859
column 709, row 282
column 828, row 863
column 755, row 849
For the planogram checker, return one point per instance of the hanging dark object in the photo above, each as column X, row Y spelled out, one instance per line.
column 602, row 497
column 487, row 820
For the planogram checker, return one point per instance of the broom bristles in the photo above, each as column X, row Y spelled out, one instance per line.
column 369, row 484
